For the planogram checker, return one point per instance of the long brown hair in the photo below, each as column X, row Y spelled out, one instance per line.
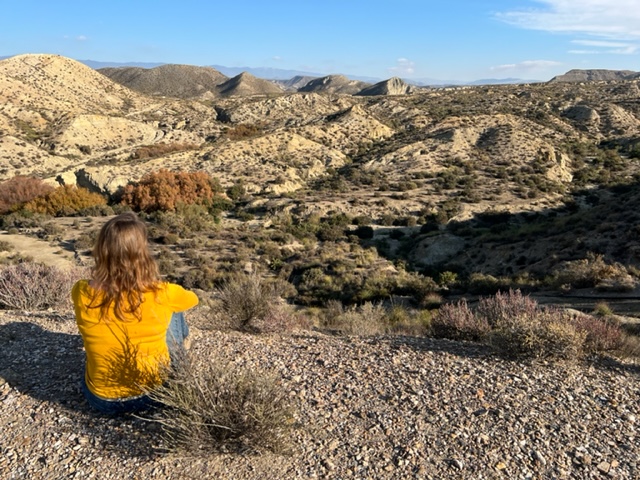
column 124, row 268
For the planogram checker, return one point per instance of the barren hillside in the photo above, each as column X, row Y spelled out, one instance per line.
column 182, row 81
column 469, row 164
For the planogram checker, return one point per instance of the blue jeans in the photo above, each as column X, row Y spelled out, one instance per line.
column 176, row 333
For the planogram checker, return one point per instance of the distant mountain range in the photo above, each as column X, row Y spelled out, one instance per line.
column 284, row 76
column 269, row 73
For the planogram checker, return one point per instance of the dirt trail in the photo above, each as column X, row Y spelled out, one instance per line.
column 41, row 250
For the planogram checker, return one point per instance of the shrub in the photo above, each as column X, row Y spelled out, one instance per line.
column 19, row 190
column 457, row 321
column 23, row 219
column 522, row 329
column 243, row 131
column 502, row 309
column 217, row 406
column 601, row 334
column 65, row 200
column 280, row 318
column 481, row 283
column 185, row 220
column 549, row 335
column 34, row 286
column 368, row 319
column 164, row 190
column 248, row 298
column 160, row 149
column 5, row 246
column 411, row 322
column 593, row 271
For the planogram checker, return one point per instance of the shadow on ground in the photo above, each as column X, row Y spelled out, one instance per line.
column 48, row 366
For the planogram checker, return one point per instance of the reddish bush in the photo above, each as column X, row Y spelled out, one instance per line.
column 457, row 321
column 34, row 286
column 65, row 200
column 19, row 190
column 506, row 308
column 602, row 334
column 163, row 190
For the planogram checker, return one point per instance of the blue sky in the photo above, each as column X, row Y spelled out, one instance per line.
column 437, row 39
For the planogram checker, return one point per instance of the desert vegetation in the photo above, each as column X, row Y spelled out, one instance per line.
column 440, row 218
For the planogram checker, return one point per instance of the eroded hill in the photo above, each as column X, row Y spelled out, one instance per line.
column 439, row 174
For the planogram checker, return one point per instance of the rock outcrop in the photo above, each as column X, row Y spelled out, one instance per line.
column 393, row 86
column 334, row 84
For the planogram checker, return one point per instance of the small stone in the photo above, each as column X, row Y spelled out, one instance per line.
column 501, row 466
column 537, row 456
column 604, row 467
column 459, row 464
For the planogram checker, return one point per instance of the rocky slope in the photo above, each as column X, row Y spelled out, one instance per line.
column 246, row 84
column 182, row 81
column 365, row 407
column 595, row 75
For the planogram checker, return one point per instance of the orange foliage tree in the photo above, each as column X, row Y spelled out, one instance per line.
column 65, row 200
column 163, row 190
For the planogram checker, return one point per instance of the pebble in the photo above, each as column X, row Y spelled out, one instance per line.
column 377, row 407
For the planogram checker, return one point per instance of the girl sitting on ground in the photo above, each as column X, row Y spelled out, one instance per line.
column 130, row 321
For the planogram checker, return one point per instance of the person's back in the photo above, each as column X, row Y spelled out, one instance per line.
column 129, row 319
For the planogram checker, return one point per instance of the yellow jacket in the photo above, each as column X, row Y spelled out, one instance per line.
column 125, row 358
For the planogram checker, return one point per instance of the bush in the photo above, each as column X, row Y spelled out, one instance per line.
column 457, row 321
column 219, row 406
column 160, row 149
column 368, row 319
column 601, row 334
column 164, row 190
column 249, row 298
column 65, row 200
column 549, row 335
column 502, row 309
column 5, row 246
column 593, row 271
column 20, row 190
column 34, row 286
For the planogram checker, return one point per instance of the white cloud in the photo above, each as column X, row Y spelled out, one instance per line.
column 403, row 66
column 276, row 58
column 620, row 48
column 610, row 20
column 526, row 66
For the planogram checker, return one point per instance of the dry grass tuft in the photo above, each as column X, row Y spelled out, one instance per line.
column 223, row 407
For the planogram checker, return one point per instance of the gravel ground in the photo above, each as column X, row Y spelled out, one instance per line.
column 383, row 407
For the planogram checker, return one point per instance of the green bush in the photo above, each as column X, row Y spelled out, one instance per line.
column 549, row 335
column 593, row 271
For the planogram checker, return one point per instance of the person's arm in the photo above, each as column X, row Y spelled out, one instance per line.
column 180, row 299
